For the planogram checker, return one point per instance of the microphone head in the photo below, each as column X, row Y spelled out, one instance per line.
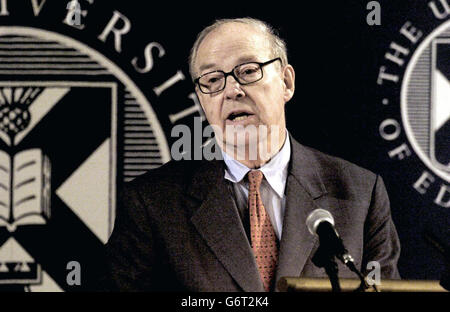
column 316, row 217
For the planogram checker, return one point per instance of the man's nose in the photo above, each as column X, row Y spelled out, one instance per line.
column 233, row 89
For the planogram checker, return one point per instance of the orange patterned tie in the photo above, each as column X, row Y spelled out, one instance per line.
column 264, row 240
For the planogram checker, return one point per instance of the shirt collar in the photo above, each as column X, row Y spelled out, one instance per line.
column 275, row 170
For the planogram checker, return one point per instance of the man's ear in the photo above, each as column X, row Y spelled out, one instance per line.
column 288, row 82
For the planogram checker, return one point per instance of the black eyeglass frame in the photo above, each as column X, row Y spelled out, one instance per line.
column 231, row 73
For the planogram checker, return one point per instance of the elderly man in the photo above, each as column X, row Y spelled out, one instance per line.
column 238, row 224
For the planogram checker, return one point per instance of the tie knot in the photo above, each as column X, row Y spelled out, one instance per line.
column 255, row 177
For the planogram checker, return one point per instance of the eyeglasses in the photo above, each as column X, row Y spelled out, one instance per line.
column 245, row 74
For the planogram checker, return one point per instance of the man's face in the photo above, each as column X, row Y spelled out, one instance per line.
column 261, row 103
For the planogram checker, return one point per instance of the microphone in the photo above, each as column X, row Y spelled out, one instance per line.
column 320, row 222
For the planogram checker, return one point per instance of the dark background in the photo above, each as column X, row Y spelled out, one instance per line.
column 337, row 105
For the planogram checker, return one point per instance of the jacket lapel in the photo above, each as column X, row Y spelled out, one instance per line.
column 218, row 222
column 303, row 187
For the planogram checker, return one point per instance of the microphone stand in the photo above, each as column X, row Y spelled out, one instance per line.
column 332, row 248
column 323, row 258
column 332, row 271
column 444, row 250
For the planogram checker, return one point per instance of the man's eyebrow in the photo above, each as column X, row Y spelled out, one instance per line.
column 245, row 59
column 241, row 60
column 206, row 66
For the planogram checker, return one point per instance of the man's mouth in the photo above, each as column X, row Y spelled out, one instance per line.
column 239, row 116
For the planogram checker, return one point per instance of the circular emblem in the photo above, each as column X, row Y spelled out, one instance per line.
column 75, row 126
column 425, row 101
column 414, row 81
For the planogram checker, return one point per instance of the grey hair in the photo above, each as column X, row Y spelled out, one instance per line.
column 277, row 45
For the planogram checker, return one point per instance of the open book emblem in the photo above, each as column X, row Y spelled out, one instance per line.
column 24, row 188
column 25, row 175
column 57, row 168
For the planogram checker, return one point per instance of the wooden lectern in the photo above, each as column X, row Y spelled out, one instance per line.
column 300, row 284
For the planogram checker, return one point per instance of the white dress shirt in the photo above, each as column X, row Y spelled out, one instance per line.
column 272, row 186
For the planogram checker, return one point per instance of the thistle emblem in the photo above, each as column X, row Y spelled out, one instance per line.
column 14, row 109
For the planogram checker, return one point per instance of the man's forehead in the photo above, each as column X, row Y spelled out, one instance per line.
column 240, row 42
column 235, row 32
